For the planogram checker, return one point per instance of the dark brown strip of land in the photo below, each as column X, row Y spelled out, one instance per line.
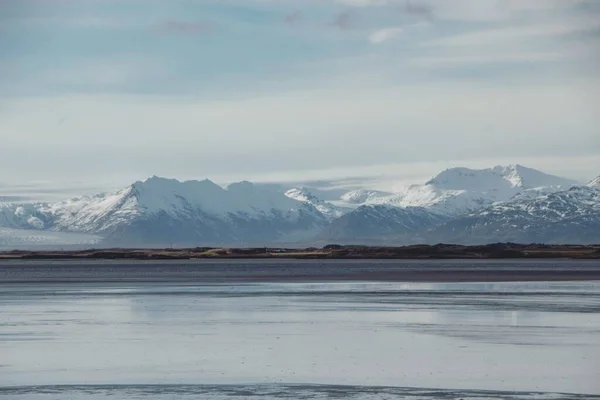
column 439, row 251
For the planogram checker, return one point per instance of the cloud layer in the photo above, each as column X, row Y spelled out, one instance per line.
column 263, row 87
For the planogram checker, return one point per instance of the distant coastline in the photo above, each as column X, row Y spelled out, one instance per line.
column 417, row 252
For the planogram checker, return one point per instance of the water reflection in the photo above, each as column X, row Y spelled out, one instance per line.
column 541, row 336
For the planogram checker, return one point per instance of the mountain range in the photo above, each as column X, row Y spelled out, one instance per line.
column 459, row 205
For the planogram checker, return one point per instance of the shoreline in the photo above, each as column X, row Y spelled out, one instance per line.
column 331, row 252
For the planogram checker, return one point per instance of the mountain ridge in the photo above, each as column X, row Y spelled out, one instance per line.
column 381, row 224
column 570, row 216
column 451, row 205
column 594, row 182
column 161, row 210
column 460, row 190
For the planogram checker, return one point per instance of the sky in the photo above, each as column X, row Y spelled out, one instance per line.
column 99, row 93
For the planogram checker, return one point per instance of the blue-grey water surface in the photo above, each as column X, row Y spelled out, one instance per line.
column 314, row 340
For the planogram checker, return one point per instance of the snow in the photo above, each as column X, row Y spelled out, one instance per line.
column 469, row 179
column 527, row 178
column 362, row 196
column 17, row 215
column 156, row 195
column 160, row 194
column 35, row 222
column 534, row 193
column 461, row 190
column 553, row 207
column 104, row 213
column 172, row 196
column 252, row 199
column 330, row 211
column 498, row 178
column 453, row 192
column 595, row 183
column 95, row 214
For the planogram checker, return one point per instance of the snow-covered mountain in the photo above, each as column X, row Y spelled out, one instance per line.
column 499, row 177
column 328, row 210
column 457, row 191
column 511, row 203
column 362, row 196
column 160, row 211
column 381, row 224
column 595, row 182
column 570, row 216
column 17, row 215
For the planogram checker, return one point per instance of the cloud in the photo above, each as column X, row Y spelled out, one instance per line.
column 384, row 34
column 95, row 73
column 269, row 99
column 471, row 10
column 535, row 5
column 293, row 18
column 362, row 3
column 344, row 20
column 246, row 134
column 242, row 138
column 83, row 21
column 185, row 27
column 459, row 60
column 107, row 74
column 511, row 34
column 418, row 8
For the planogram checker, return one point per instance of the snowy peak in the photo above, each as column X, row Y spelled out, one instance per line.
column 595, row 183
column 328, row 210
column 467, row 179
column 172, row 196
column 93, row 214
column 461, row 190
column 527, row 178
column 157, row 183
column 159, row 211
column 496, row 178
column 248, row 197
column 494, row 204
column 301, row 194
column 362, row 196
column 519, row 176
column 162, row 194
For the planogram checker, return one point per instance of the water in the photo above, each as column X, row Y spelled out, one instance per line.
column 330, row 339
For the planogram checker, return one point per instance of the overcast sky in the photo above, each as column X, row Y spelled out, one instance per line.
column 104, row 92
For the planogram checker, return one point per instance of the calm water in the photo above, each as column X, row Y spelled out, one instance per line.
column 362, row 340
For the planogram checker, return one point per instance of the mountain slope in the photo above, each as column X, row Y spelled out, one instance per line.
column 22, row 216
column 511, row 203
column 328, row 210
column 457, row 191
column 363, row 196
column 381, row 224
column 160, row 211
column 167, row 210
column 571, row 216
column 98, row 214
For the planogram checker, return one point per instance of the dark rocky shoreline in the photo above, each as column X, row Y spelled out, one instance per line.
column 439, row 251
